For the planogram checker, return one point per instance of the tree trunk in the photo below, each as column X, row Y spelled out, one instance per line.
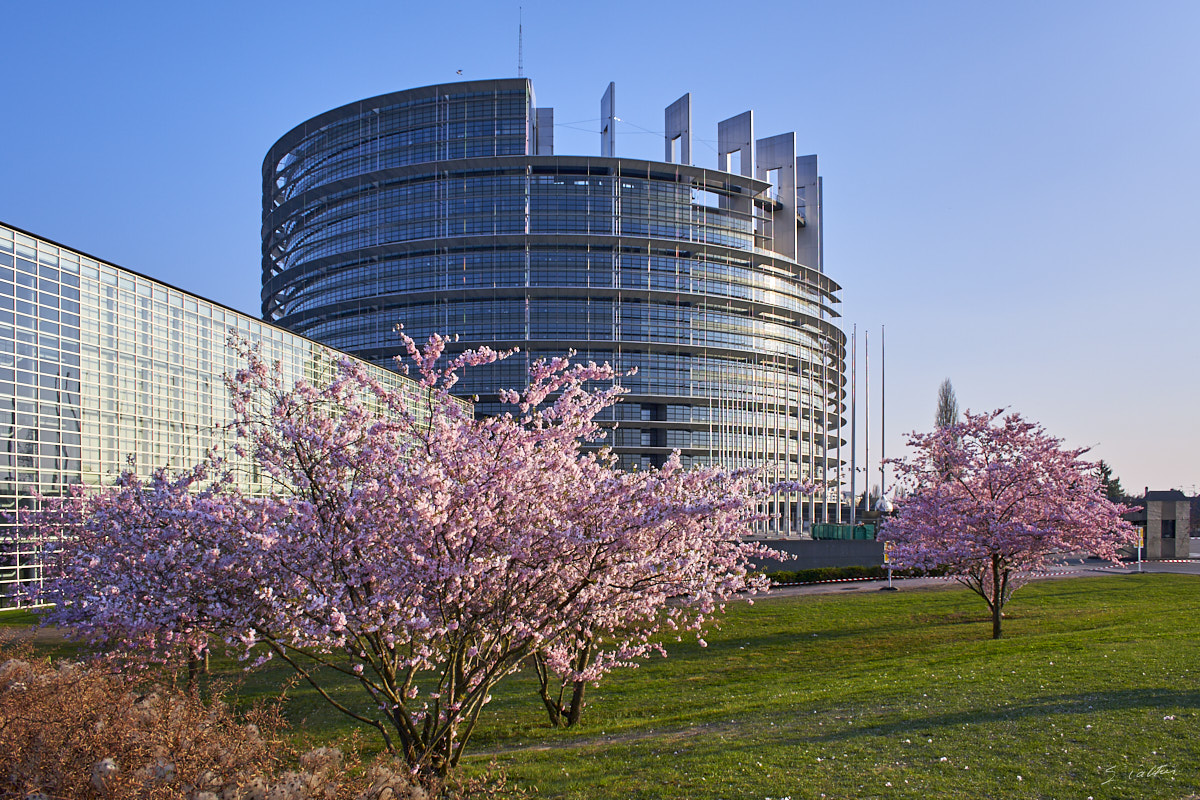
column 576, row 710
column 563, row 714
column 199, row 679
column 553, row 710
column 553, row 704
column 997, row 597
column 581, row 663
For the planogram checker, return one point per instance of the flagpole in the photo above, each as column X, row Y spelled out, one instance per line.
column 853, row 423
column 882, row 411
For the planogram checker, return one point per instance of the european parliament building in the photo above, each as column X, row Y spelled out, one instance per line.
column 446, row 208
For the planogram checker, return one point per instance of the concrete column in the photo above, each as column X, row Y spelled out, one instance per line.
column 544, row 132
column 776, row 162
column 736, row 134
column 808, row 207
column 608, row 119
column 677, row 122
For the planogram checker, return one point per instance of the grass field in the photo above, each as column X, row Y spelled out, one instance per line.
column 1092, row 693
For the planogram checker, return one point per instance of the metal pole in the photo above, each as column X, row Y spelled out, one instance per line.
column 825, row 431
column 853, row 424
column 882, row 411
column 887, row 560
column 838, row 394
column 1142, row 531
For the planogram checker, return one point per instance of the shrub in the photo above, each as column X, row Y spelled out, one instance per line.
column 85, row 731
column 72, row 730
column 816, row 574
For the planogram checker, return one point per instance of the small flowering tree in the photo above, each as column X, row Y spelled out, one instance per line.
column 661, row 547
column 419, row 552
column 995, row 496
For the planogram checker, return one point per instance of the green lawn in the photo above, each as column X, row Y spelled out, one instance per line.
column 1092, row 693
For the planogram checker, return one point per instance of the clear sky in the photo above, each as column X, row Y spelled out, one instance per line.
column 1012, row 189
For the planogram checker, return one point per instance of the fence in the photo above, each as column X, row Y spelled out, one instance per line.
column 863, row 530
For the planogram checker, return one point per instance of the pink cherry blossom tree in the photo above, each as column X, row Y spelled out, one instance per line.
column 408, row 547
column 992, row 498
column 654, row 538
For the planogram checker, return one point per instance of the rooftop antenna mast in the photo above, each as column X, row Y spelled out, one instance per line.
column 520, row 41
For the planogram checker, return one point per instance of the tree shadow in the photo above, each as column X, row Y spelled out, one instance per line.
column 1083, row 703
column 915, row 628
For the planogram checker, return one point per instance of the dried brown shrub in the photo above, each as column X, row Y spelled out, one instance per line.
column 70, row 730
column 82, row 731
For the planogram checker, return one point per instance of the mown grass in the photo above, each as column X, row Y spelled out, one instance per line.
column 1092, row 693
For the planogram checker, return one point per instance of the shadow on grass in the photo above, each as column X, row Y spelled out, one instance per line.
column 1088, row 703
column 1084, row 703
column 867, row 634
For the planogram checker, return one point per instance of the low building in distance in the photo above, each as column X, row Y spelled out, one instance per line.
column 1164, row 522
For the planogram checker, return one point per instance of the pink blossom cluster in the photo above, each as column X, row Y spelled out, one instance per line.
column 417, row 550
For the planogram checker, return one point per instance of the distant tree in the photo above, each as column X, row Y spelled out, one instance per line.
column 947, row 414
column 947, row 407
column 994, row 497
column 1111, row 483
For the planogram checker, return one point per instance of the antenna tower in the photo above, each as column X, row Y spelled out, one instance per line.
column 520, row 42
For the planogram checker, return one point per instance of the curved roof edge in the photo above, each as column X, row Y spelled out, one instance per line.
column 390, row 97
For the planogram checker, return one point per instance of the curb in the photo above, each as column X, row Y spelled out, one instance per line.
column 1032, row 573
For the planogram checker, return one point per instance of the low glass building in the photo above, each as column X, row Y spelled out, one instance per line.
column 99, row 366
column 445, row 208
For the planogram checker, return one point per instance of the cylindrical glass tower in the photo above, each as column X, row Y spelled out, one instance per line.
column 443, row 208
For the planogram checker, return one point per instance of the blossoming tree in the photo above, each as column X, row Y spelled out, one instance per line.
column 995, row 496
column 657, row 546
column 419, row 552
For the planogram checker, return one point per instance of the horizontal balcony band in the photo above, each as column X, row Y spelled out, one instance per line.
column 482, row 166
column 382, row 303
column 764, row 406
column 731, row 354
column 278, row 281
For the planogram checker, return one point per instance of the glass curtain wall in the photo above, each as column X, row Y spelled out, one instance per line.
column 101, row 368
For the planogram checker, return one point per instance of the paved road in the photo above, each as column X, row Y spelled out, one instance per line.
column 1073, row 567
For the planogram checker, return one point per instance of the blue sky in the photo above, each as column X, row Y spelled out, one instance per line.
column 1010, row 188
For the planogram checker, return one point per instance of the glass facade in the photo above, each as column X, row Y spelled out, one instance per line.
column 100, row 367
column 428, row 207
